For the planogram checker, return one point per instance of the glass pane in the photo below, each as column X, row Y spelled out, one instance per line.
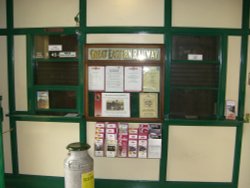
column 56, row 99
column 194, row 74
column 195, row 48
column 56, row 46
column 56, row 73
column 192, row 104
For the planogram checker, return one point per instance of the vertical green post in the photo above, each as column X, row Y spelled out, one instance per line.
column 1, row 147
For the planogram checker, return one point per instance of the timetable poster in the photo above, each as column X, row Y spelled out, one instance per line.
column 133, row 79
column 114, row 79
column 151, row 79
column 96, row 77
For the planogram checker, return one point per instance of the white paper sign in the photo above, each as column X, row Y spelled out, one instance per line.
column 133, row 79
column 114, row 79
column 96, row 78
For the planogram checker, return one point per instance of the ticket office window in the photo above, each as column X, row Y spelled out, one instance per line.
column 55, row 73
column 194, row 78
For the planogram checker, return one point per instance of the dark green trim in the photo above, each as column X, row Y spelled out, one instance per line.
column 11, row 83
column 244, row 52
column 211, row 31
column 83, row 131
column 30, row 76
column 45, row 31
column 2, row 180
column 164, row 153
column 222, row 77
column 168, row 14
column 125, row 30
column 222, row 123
column 28, row 181
column 3, row 32
column 237, row 155
column 44, row 118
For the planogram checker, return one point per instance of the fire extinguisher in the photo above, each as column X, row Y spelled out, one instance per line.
column 78, row 167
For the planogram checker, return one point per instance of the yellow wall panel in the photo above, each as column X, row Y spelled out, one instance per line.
column 203, row 154
column 20, row 73
column 42, row 146
column 5, row 103
column 125, row 13
column 207, row 13
column 2, row 14
column 125, row 38
column 45, row 13
column 233, row 69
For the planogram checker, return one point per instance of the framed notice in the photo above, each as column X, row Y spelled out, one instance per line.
column 114, row 79
column 42, row 99
column 151, row 79
column 148, row 105
column 96, row 77
column 133, row 79
column 112, row 105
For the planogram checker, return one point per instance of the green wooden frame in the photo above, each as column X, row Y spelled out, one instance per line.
column 16, row 180
column 2, row 180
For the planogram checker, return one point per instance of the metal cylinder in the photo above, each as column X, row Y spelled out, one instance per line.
column 78, row 167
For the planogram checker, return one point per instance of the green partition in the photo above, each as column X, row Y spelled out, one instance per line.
column 1, row 148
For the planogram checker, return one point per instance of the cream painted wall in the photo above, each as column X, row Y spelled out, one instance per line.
column 244, row 180
column 5, row 102
column 42, row 146
column 20, row 73
column 2, row 13
column 125, row 38
column 203, row 13
column 125, row 13
column 233, row 69
column 46, row 13
column 46, row 138
column 203, row 154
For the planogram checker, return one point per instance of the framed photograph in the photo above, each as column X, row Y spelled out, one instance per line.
column 115, row 105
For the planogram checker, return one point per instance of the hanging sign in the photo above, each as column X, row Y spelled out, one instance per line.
column 141, row 54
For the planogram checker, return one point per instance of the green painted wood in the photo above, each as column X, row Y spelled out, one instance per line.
column 28, row 181
column 2, row 180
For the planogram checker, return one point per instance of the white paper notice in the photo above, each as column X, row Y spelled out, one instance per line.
column 114, row 79
column 133, row 79
column 96, row 78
